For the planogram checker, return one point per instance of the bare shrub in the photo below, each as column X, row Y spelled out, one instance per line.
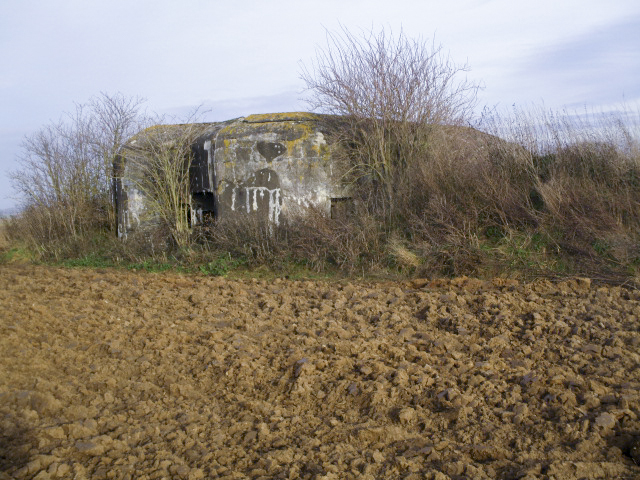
column 159, row 161
column 247, row 236
column 351, row 244
column 314, row 240
column 390, row 90
column 434, row 184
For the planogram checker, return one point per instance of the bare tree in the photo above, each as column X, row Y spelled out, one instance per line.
column 115, row 119
column 60, row 175
column 66, row 167
column 391, row 90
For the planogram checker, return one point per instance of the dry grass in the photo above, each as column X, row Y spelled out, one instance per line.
column 4, row 238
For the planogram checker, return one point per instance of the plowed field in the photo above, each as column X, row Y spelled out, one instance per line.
column 106, row 374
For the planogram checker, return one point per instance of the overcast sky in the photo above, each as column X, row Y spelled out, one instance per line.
column 243, row 57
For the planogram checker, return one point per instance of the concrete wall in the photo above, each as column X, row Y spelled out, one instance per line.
column 269, row 165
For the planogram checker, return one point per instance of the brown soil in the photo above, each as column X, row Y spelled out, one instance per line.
column 111, row 374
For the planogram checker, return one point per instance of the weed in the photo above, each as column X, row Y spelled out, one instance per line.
column 222, row 265
column 152, row 265
column 16, row 254
column 601, row 247
column 91, row 260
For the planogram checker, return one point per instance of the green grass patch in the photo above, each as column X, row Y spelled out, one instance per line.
column 155, row 266
column 222, row 265
column 91, row 260
column 16, row 254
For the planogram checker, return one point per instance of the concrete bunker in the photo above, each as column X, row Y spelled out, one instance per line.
column 269, row 165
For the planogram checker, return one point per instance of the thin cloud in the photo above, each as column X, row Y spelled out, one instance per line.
column 594, row 67
column 220, row 110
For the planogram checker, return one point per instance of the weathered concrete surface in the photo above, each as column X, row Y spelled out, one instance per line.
column 268, row 165
column 275, row 164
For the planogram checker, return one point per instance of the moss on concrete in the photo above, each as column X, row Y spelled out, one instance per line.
column 282, row 117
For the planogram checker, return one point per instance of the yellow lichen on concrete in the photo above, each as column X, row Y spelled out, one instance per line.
column 300, row 127
column 281, row 117
column 322, row 150
column 291, row 146
column 301, row 133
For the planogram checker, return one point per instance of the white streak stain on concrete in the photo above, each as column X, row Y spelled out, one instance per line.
column 251, row 201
